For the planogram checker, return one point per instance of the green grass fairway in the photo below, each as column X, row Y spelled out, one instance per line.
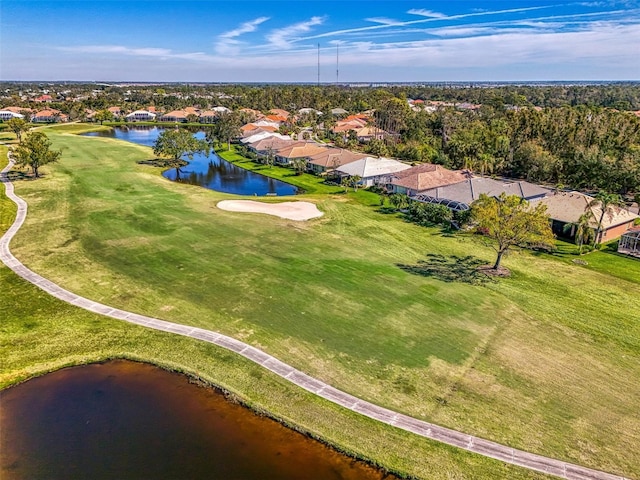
column 39, row 333
column 546, row 360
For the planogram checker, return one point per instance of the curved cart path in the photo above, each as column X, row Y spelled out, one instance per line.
column 445, row 435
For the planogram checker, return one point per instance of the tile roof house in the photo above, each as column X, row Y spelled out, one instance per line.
column 459, row 196
column 256, row 113
column 423, row 177
column 567, row 207
column 373, row 170
column 43, row 99
column 179, row 116
column 304, row 150
column 208, row 116
column 252, row 130
column 269, row 144
column 276, row 118
column 332, row 158
column 279, row 112
column 49, row 115
column 18, row 110
column 366, row 134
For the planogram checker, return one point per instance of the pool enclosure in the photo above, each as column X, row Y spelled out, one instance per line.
column 629, row 243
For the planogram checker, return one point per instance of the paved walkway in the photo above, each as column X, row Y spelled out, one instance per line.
column 451, row 437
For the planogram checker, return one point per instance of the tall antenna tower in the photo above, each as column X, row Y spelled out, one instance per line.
column 318, row 64
column 337, row 63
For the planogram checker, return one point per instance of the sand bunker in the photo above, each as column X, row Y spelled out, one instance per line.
column 289, row 210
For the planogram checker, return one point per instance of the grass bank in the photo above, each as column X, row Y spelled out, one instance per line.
column 39, row 334
column 546, row 360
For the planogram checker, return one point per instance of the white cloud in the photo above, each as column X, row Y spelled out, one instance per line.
column 118, row 49
column 246, row 27
column 282, row 37
column 384, row 21
column 424, row 20
column 227, row 41
column 426, row 13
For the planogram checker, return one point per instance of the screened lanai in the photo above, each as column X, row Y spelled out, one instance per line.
column 629, row 243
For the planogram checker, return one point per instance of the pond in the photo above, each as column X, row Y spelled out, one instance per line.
column 208, row 171
column 127, row 420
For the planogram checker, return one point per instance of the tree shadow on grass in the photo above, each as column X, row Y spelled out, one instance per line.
column 17, row 176
column 450, row 269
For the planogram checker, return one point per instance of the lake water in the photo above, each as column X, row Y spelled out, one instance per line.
column 209, row 171
column 126, row 420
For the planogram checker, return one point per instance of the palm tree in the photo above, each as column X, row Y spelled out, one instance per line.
column 583, row 231
column 299, row 165
column 399, row 200
column 607, row 202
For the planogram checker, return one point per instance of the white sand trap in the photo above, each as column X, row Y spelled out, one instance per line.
column 290, row 210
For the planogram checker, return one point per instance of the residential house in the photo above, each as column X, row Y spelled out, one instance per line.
column 43, row 99
column 116, row 112
column 298, row 150
column 176, row 116
column 565, row 208
column 275, row 119
column 426, row 176
column 20, row 110
column 257, row 114
column 208, row 116
column 262, row 136
column 251, row 129
column 280, row 113
column 306, row 111
column 49, row 115
column 221, row 110
column 261, row 124
column 372, row 170
column 269, row 145
column 141, row 116
column 331, row 158
column 366, row 134
column 460, row 195
column 6, row 115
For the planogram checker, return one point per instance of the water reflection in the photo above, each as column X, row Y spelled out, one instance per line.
column 210, row 171
column 128, row 420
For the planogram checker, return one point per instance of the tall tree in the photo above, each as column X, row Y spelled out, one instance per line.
column 607, row 202
column 103, row 116
column 177, row 143
column 509, row 221
column 226, row 128
column 35, row 151
column 18, row 126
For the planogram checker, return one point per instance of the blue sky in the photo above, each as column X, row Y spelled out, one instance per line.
column 277, row 41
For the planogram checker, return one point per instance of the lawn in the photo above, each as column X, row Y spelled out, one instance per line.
column 39, row 333
column 546, row 360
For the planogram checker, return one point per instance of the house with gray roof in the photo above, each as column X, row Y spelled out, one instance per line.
column 372, row 170
column 460, row 196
